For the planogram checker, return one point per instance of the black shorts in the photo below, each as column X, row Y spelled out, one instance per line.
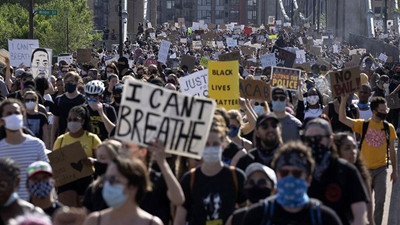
column 79, row 186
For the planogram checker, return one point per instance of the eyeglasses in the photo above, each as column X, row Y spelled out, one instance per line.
column 30, row 100
column 256, row 103
column 295, row 172
column 314, row 139
column 281, row 98
column 89, row 99
column 259, row 183
column 268, row 125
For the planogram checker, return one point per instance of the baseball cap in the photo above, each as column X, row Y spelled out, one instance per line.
column 254, row 167
column 266, row 116
column 279, row 90
column 39, row 167
column 384, row 78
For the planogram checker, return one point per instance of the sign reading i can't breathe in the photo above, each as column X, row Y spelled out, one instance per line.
column 223, row 83
column 180, row 121
column 286, row 77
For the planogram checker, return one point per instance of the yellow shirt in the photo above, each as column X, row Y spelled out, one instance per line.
column 374, row 146
column 89, row 142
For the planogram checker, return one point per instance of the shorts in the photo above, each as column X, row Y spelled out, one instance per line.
column 79, row 186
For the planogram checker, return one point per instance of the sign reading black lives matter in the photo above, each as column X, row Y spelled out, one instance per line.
column 181, row 121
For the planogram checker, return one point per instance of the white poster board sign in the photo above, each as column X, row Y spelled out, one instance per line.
column 67, row 58
column 163, row 52
column 231, row 43
column 21, row 51
column 268, row 60
column 195, row 84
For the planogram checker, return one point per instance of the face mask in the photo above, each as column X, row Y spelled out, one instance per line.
column 381, row 116
column 258, row 109
column 233, row 131
column 313, row 99
column 212, row 154
column 363, row 105
column 309, row 86
column 117, row 99
column 40, row 189
column 13, row 197
column 70, row 88
column 318, row 150
column 385, row 85
column 255, row 194
column 278, row 106
column 100, row 168
column 30, row 105
column 292, row 192
column 113, row 194
column 13, row 122
column 74, row 127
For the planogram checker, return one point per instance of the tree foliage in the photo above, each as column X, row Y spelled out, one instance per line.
column 50, row 30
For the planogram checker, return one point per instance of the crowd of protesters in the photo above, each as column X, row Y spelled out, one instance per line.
column 304, row 157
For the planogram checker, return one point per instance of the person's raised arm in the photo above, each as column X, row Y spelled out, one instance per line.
column 107, row 122
column 342, row 112
column 8, row 79
column 250, row 114
column 175, row 192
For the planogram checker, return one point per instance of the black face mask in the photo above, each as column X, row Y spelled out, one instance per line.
column 118, row 99
column 255, row 193
column 381, row 116
column 100, row 168
column 318, row 150
column 70, row 88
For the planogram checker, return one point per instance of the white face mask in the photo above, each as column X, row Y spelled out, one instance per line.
column 386, row 85
column 30, row 105
column 13, row 122
column 74, row 127
column 313, row 99
column 212, row 154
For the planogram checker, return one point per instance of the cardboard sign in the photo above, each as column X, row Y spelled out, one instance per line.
column 83, row 55
column 195, row 84
column 268, row 60
column 316, row 50
column 4, row 54
column 67, row 58
column 223, row 83
column 304, row 66
column 283, row 57
column 204, row 61
column 255, row 89
column 189, row 61
column 180, row 121
column 345, row 81
column 285, row 77
column 197, row 45
column 21, row 51
column 41, row 62
column 67, row 165
column 163, row 52
column 235, row 55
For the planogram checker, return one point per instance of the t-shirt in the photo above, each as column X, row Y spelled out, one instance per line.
column 374, row 146
column 35, row 123
column 255, row 215
column 97, row 125
column 365, row 114
column 229, row 152
column 290, row 126
column 29, row 151
column 257, row 155
column 61, row 108
column 89, row 142
column 340, row 186
column 212, row 199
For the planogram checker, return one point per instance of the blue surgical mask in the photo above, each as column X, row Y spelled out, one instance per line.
column 13, row 197
column 233, row 131
column 292, row 192
column 363, row 105
column 258, row 109
column 113, row 194
column 278, row 106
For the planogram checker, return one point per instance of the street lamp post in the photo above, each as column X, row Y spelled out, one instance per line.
column 31, row 14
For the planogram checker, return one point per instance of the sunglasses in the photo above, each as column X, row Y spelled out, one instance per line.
column 259, row 183
column 89, row 99
column 30, row 100
column 281, row 98
column 256, row 103
column 268, row 125
column 295, row 172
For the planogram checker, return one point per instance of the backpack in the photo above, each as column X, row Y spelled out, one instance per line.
column 387, row 135
column 314, row 206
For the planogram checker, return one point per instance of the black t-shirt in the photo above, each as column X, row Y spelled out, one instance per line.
column 229, row 152
column 212, row 198
column 35, row 123
column 255, row 215
column 53, row 208
column 93, row 198
column 107, row 96
column 340, row 186
column 338, row 126
column 256, row 155
column 116, row 107
column 157, row 202
column 62, row 105
column 97, row 125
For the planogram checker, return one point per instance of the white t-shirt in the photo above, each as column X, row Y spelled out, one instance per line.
column 312, row 113
column 365, row 114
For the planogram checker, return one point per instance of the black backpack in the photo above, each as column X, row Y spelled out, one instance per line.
column 387, row 135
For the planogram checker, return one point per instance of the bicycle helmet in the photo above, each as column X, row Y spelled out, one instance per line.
column 94, row 87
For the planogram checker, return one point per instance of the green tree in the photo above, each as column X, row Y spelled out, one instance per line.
column 13, row 23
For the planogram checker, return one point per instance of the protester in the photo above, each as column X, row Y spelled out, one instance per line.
column 235, row 126
column 363, row 102
column 312, row 108
column 112, row 81
column 291, row 205
column 332, row 111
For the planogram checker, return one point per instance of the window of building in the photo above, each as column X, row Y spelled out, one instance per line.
column 377, row 10
column 170, row 4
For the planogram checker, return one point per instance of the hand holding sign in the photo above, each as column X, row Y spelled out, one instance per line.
column 157, row 148
column 345, row 81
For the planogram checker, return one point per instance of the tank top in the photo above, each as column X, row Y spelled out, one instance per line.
column 338, row 126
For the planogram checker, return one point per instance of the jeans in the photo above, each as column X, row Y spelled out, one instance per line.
column 378, row 178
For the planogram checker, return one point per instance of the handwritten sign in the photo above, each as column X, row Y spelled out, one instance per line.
column 283, row 57
column 223, row 83
column 189, row 61
column 268, row 60
column 163, row 52
column 195, row 84
column 383, row 57
column 67, row 165
column 21, row 51
column 286, row 77
column 255, row 89
column 197, row 45
column 180, row 121
column 83, row 55
column 345, row 81
column 67, row 58
column 231, row 43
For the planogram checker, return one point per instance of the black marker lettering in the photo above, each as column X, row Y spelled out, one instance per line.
column 152, row 98
column 132, row 98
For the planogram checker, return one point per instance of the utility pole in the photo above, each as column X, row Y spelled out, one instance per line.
column 121, row 41
column 385, row 20
column 292, row 13
column 31, row 14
